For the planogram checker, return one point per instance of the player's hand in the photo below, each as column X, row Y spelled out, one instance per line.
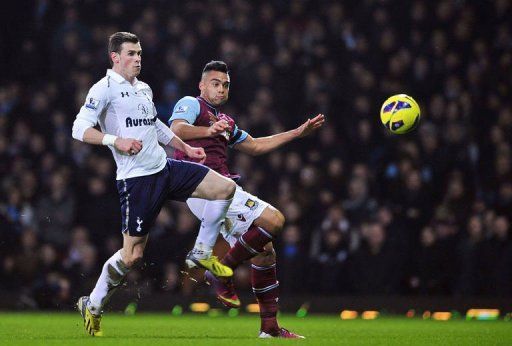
column 195, row 153
column 128, row 146
column 217, row 128
column 310, row 125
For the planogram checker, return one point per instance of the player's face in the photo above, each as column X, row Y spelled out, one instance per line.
column 129, row 62
column 215, row 87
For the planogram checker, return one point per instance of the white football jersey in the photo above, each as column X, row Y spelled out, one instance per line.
column 126, row 111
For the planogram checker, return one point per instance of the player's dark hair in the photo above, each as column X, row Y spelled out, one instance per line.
column 116, row 40
column 216, row 65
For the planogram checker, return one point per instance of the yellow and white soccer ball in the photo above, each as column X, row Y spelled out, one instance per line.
column 400, row 114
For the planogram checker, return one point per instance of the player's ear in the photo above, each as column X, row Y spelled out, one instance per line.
column 201, row 85
column 114, row 56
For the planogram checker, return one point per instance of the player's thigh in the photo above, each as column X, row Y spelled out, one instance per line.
column 141, row 201
column 271, row 220
column 133, row 248
column 244, row 209
column 214, row 187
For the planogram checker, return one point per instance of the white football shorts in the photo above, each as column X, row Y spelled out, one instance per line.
column 244, row 209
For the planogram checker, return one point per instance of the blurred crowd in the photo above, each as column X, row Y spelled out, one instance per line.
column 368, row 213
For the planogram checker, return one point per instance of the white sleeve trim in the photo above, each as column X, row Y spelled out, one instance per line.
column 164, row 133
column 80, row 126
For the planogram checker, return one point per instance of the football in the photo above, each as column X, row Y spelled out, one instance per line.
column 400, row 114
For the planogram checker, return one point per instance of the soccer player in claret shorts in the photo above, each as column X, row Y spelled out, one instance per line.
column 251, row 223
column 123, row 107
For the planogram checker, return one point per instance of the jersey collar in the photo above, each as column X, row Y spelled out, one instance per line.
column 207, row 103
column 118, row 78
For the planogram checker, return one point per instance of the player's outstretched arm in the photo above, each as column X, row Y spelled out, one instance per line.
column 310, row 125
column 262, row 145
column 188, row 131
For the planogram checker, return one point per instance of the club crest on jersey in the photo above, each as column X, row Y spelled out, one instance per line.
column 181, row 109
column 251, row 204
column 92, row 103
column 214, row 119
column 143, row 109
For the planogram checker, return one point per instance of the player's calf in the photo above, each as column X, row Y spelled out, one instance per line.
column 266, row 289
column 250, row 244
column 218, row 191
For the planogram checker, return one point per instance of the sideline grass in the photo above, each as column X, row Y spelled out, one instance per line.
column 164, row 329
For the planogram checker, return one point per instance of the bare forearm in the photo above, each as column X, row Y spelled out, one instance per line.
column 186, row 131
column 269, row 143
column 177, row 143
column 192, row 152
column 93, row 136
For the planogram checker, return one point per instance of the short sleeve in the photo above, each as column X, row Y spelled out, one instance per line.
column 187, row 109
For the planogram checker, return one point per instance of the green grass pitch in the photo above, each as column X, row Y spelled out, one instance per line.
column 189, row 329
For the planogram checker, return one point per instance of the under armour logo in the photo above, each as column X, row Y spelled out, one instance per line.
column 241, row 217
column 123, row 94
column 139, row 223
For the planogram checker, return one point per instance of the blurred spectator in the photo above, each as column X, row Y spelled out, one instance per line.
column 291, row 261
column 359, row 203
column 496, row 264
column 56, row 211
column 469, row 253
column 373, row 267
column 330, row 251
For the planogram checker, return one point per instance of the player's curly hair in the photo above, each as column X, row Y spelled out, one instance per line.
column 215, row 65
column 117, row 39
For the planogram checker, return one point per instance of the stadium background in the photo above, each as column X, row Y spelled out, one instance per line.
column 368, row 214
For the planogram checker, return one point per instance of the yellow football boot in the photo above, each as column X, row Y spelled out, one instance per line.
column 92, row 323
column 211, row 263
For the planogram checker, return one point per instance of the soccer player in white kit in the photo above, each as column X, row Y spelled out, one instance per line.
column 123, row 107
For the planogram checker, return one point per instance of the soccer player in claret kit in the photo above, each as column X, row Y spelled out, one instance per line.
column 124, row 109
column 251, row 223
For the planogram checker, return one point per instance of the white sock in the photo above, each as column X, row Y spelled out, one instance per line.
column 213, row 216
column 113, row 272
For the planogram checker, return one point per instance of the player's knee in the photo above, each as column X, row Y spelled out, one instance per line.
column 277, row 222
column 226, row 190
